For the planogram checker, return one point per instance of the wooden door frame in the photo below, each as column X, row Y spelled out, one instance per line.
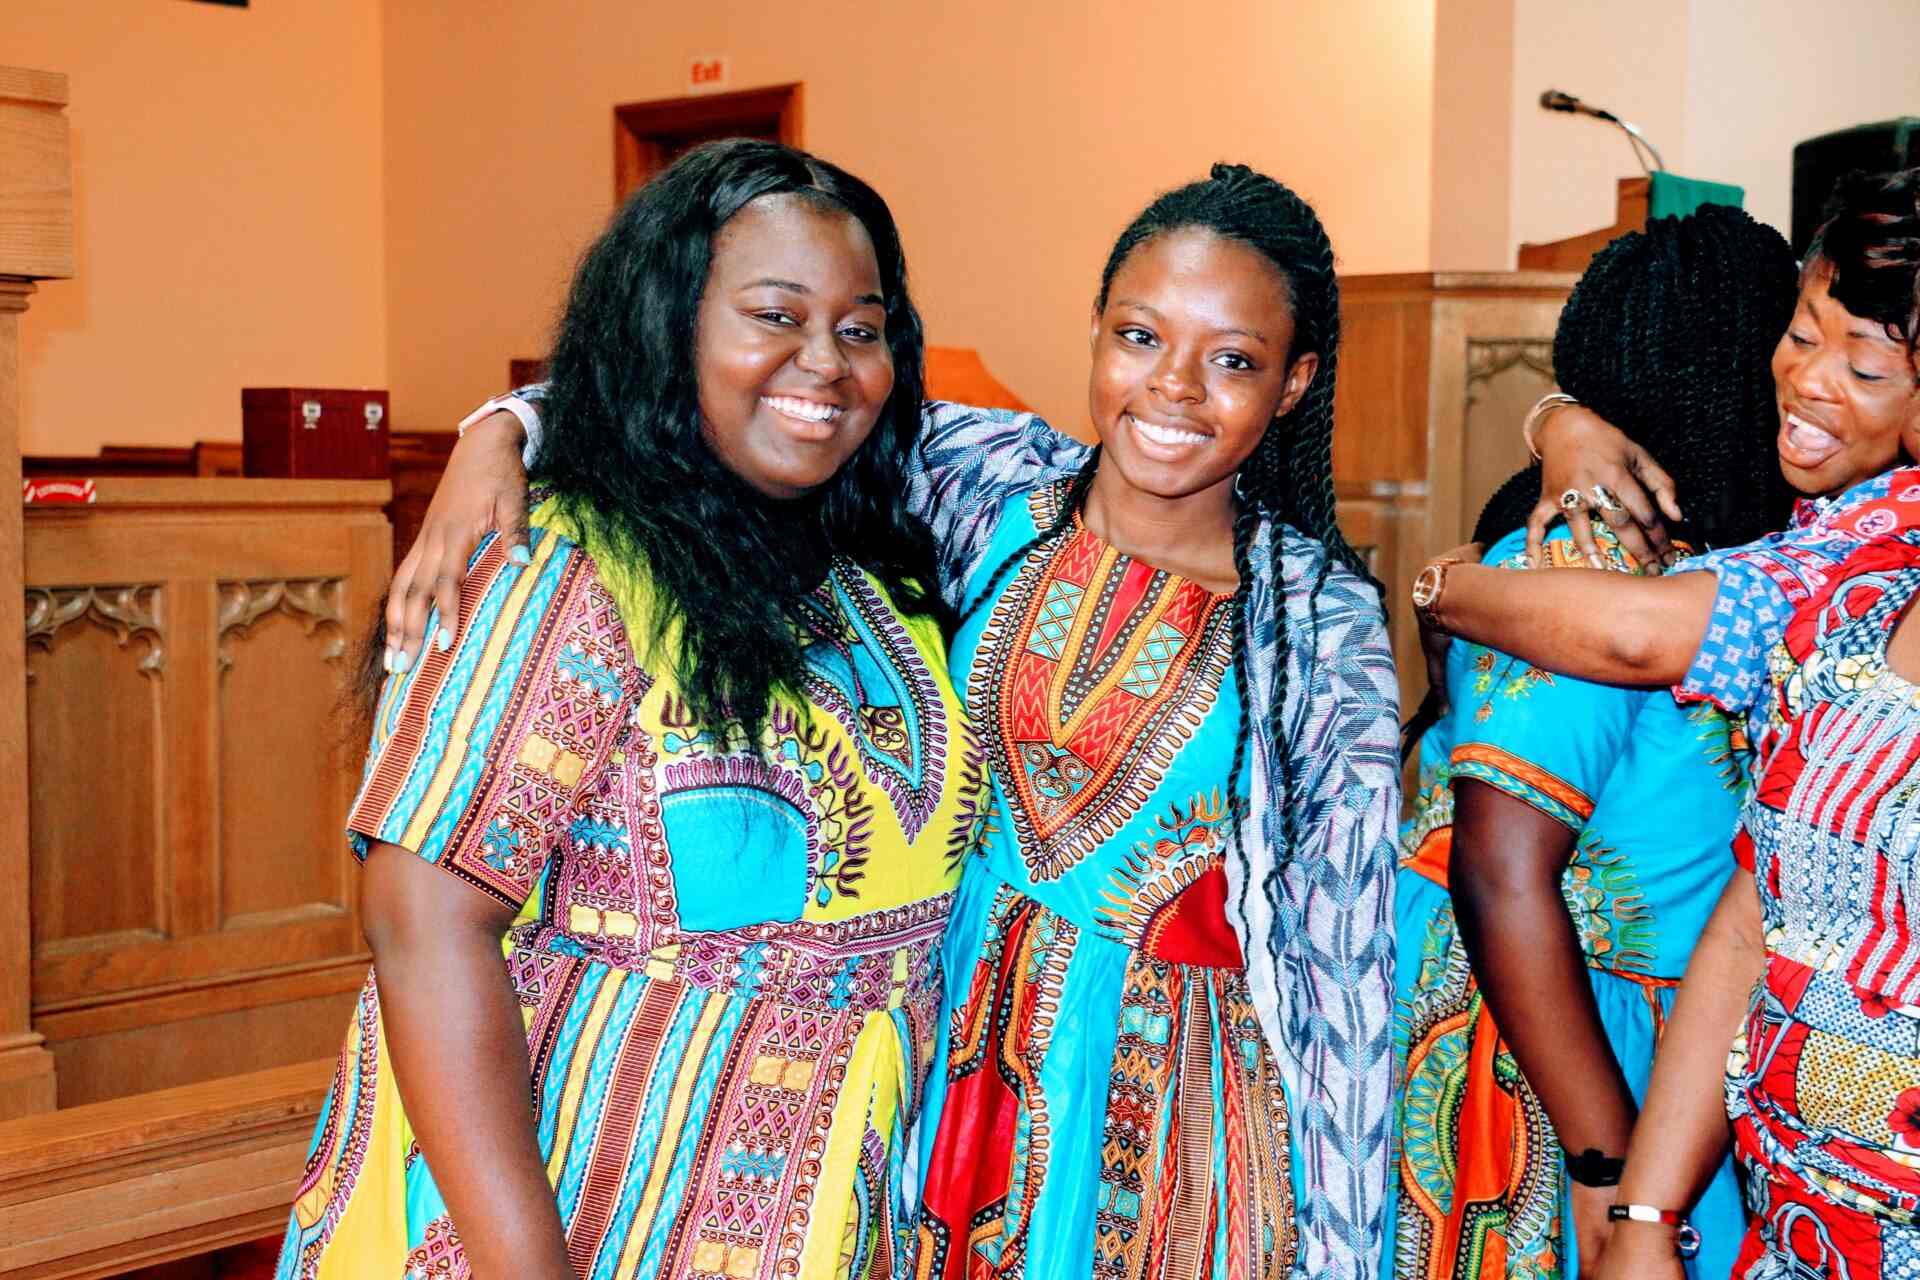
column 639, row 127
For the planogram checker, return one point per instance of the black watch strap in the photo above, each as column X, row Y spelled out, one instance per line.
column 1592, row 1169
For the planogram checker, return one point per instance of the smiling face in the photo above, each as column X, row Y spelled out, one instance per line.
column 1190, row 365
column 790, row 344
column 1847, row 391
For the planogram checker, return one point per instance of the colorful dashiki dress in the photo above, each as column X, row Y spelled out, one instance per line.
column 1107, row 1095
column 1308, row 897
column 1823, row 1083
column 1651, row 791
column 726, row 959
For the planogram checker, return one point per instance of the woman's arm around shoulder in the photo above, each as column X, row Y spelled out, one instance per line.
column 967, row 464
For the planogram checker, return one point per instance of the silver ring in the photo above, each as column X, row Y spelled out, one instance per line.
column 1572, row 500
column 1604, row 499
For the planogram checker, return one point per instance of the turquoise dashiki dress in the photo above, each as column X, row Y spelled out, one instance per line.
column 726, row 954
column 1103, row 1103
column 1652, row 792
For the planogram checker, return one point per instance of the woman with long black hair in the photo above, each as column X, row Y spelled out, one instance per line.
column 695, row 756
column 1167, row 1046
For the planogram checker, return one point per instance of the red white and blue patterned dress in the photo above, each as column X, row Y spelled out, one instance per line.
column 1823, row 1083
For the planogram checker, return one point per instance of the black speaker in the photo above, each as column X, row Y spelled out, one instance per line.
column 1820, row 162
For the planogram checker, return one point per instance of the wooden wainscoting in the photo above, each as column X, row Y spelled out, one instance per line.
column 194, row 908
column 1436, row 372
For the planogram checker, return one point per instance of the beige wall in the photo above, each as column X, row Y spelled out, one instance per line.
column 1724, row 88
column 228, row 199
column 1013, row 140
column 1765, row 74
column 1629, row 56
column 1472, row 135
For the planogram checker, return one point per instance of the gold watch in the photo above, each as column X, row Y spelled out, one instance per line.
column 1427, row 587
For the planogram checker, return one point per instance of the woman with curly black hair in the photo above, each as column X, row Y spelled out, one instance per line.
column 1167, row 1046
column 1567, row 839
column 694, row 752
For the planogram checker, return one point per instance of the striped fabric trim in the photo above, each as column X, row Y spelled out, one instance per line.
column 1523, row 780
column 613, row 1145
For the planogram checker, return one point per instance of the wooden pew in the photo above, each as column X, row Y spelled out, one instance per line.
column 96, row 1190
column 418, row 458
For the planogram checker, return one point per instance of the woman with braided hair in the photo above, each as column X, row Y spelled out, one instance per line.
column 1799, row 1017
column 1167, row 1043
column 1568, row 839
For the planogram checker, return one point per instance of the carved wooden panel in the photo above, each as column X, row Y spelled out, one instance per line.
column 281, row 651
column 1504, row 378
column 189, row 873
column 1436, row 372
column 95, row 658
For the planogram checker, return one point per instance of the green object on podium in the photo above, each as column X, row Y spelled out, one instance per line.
column 1671, row 196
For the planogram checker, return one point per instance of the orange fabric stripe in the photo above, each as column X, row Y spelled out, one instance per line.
column 1434, row 858
column 1528, row 772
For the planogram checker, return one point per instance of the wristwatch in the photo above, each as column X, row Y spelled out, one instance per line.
column 1686, row 1240
column 1591, row 1168
column 1427, row 587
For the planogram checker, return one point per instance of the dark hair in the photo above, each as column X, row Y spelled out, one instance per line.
column 625, row 449
column 1289, row 476
column 1871, row 243
column 1669, row 336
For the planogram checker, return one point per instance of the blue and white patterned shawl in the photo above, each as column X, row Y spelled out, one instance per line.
column 1326, row 1003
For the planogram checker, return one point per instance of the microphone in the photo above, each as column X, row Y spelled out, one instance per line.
column 1556, row 100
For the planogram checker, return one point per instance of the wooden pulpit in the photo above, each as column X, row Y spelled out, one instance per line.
column 1575, row 252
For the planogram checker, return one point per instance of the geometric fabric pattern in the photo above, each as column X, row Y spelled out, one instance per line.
column 722, row 1081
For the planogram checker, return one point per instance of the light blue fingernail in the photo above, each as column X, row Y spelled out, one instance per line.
column 443, row 639
column 401, row 661
column 520, row 556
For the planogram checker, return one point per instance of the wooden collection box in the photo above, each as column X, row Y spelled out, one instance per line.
column 314, row 433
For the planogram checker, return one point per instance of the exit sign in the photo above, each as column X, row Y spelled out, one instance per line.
column 707, row 71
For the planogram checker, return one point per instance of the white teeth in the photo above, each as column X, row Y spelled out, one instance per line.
column 1166, row 435
column 1805, row 435
column 795, row 407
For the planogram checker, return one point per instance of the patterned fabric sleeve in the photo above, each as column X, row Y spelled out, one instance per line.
column 966, row 465
column 478, row 751
column 1510, row 724
column 1319, row 929
column 1760, row 584
column 1763, row 583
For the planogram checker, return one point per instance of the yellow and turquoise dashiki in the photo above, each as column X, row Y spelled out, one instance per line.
column 1651, row 792
column 725, row 958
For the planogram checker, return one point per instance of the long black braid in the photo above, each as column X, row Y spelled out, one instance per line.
column 1669, row 336
column 1289, row 477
